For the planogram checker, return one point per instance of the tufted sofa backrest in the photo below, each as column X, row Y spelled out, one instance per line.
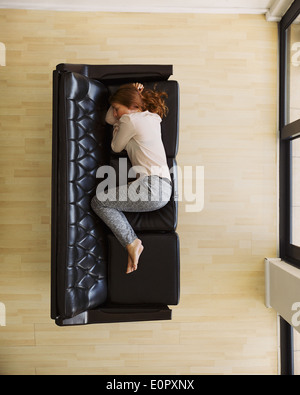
column 80, row 146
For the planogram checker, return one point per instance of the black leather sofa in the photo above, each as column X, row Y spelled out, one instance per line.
column 88, row 280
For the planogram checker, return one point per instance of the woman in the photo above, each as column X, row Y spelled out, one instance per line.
column 136, row 115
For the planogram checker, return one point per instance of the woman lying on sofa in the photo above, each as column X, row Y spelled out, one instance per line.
column 136, row 115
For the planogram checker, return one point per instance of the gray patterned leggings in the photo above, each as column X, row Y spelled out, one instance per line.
column 144, row 194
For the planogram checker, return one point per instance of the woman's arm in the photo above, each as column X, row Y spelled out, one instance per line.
column 110, row 116
column 123, row 134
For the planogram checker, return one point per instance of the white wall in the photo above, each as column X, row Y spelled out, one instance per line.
column 274, row 8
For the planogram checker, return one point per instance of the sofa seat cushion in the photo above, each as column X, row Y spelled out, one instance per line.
column 157, row 278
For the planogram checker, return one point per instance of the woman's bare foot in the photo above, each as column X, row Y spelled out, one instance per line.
column 134, row 251
column 130, row 266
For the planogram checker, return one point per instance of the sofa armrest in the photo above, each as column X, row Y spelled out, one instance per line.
column 117, row 74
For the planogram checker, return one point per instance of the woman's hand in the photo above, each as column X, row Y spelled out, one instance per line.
column 139, row 87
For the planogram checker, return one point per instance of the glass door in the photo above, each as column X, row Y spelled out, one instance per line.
column 295, row 191
column 289, row 168
column 289, row 125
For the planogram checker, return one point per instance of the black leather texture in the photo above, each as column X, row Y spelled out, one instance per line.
column 82, row 145
column 120, row 74
column 157, row 277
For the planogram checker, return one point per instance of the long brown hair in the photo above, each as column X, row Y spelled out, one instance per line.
column 149, row 99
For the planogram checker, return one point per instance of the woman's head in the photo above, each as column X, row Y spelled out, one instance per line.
column 128, row 98
column 125, row 100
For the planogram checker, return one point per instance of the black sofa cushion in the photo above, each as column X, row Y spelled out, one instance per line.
column 157, row 277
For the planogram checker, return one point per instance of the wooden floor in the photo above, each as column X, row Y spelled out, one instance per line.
column 227, row 69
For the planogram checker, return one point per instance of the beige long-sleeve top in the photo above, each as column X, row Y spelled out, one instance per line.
column 139, row 133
